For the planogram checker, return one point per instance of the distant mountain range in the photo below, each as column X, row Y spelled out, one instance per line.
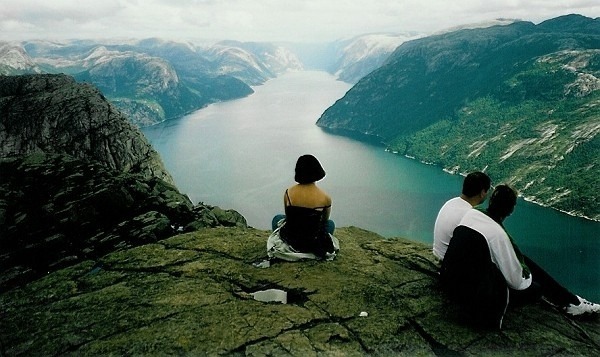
column 358, row 56
column 521, row 101
column 153, row 80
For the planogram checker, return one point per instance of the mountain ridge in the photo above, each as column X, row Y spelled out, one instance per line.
column 199, row 74
column 472, row 100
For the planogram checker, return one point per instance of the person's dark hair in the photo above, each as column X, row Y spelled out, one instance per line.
column 503, row 201
column 475, row 182
column 308, row 169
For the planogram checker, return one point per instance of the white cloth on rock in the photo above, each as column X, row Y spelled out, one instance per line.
column 277, row 248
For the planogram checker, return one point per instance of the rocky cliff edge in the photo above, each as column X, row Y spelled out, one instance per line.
column 48, row 113
column 77, row 181
column 191, row 294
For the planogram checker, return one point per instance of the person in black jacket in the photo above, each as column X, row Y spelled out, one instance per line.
column 483, row 269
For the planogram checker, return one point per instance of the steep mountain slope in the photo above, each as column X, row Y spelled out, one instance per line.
column 519, row 101
column 148, row 89
column 153, row 80
column 55, row 114
column 150, row 80
column 186, row 58
column 78, row 180
column 357, row 57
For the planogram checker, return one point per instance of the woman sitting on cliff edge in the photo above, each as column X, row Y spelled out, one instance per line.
column 305, row 231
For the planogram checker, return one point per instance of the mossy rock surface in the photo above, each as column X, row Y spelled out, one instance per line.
column 191, row 295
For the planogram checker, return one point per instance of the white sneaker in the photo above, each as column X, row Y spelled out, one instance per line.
column 584, row 307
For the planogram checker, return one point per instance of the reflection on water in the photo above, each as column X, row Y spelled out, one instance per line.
column 241, row 155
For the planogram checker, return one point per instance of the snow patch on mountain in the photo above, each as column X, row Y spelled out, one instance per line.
column 281, row 60
column 14, row 60
column 240, row 63
column 361, row 55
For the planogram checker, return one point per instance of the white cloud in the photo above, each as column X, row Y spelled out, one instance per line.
column 261, row 20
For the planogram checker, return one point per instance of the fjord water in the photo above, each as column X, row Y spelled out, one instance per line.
column 241, row 155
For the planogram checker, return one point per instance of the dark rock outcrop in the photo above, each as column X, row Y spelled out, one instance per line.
column 78, row 181
column 192, row 295
column 55, row 114
column 56, row 210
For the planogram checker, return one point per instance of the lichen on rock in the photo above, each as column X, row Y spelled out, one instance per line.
column 191, row 294
column 57, row 210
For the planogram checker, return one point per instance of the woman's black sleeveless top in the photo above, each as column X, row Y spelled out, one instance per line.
column 305, row 229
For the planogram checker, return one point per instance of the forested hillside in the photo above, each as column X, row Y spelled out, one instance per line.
column 520, row 101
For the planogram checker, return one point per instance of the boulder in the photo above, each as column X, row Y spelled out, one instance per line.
column 192, row 294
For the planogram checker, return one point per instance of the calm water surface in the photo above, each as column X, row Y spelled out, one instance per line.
column 241, row 154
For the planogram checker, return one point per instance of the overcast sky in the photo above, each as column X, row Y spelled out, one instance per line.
column 261, row 20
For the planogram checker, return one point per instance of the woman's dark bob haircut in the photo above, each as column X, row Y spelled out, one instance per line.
column 308, row 170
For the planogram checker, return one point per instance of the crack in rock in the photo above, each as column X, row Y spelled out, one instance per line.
column 438, row 348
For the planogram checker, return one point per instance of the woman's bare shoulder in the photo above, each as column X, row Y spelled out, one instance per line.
column 324, row 197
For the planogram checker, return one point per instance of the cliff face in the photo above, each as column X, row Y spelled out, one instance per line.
column 192, row 295
column 57, row 210
column 78, row 181
column 54, row 114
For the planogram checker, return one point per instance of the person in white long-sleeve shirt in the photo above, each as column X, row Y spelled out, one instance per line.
column 483, row 268
column 502, row 252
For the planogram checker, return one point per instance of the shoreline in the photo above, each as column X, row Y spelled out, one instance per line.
column 525, row 198
column 378, row 141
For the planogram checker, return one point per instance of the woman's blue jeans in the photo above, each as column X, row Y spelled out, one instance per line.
column 279, row 217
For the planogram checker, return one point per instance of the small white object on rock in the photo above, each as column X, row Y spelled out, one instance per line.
column 271, row 295
column 264, row 264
